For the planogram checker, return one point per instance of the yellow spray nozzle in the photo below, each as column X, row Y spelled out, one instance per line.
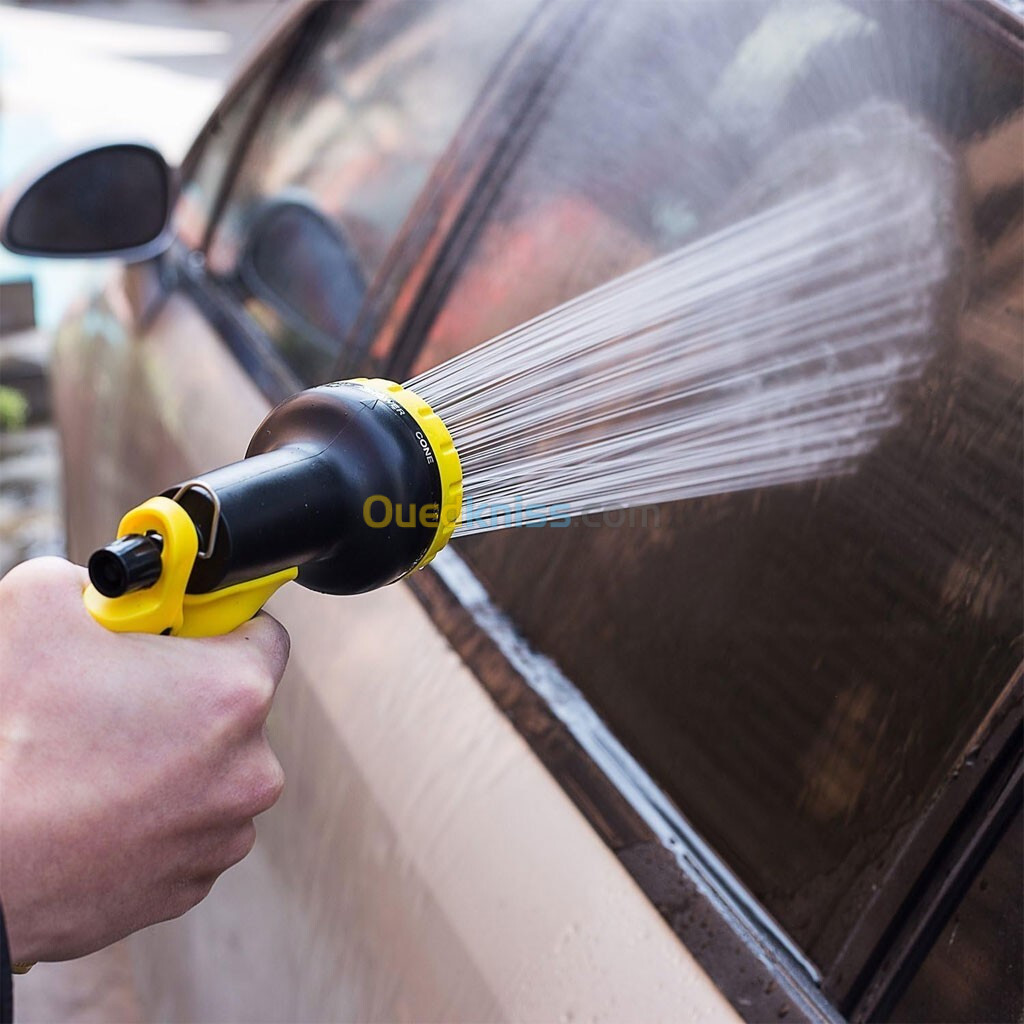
column 346, row 487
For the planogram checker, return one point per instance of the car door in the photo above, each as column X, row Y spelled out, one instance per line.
column 422, row 864
column 809, row 695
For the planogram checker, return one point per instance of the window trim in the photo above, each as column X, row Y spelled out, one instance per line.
column 282, row 35
column 250, row 345
column 939, row 861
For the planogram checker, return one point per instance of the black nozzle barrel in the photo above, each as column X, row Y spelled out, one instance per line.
column 299, row 497
column 129, row 563
column 340, row 481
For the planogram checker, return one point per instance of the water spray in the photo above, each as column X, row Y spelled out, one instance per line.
column 771, row 352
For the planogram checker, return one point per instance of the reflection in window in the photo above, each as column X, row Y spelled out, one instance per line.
column 372, row 98
column 201, row 189
column 800, row 666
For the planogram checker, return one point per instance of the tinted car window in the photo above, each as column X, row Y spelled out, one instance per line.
column 798, row 666
column 210, row 164
column 370, row 99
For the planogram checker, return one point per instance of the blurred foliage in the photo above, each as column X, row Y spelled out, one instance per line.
column 13, row 408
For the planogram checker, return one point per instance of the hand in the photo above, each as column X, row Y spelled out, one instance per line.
column 131, row 766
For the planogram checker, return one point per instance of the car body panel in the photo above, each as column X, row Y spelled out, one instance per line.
column 422, row 864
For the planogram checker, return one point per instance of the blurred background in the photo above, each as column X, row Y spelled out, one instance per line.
column 139, row 70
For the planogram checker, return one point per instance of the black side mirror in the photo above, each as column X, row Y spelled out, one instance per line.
column 110, row 201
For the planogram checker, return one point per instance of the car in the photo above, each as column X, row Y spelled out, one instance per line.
column 758, row 757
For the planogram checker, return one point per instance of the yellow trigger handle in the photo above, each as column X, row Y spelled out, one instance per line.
column 165, row 607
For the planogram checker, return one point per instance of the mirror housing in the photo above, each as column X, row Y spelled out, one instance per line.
column 109, row 201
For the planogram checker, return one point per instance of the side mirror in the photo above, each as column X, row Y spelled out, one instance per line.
column 114, row 200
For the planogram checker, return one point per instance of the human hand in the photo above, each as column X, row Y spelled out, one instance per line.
column 131, row 766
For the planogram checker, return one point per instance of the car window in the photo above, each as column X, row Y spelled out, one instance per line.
column 370, row 99
column 209, row 166
column 799, row 666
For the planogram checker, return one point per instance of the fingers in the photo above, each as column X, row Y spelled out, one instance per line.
column 164, row 740
column 270, row 640
column 263, row 785
column 50, row 579
column 251, row 784
column 44, row 596
column 259, row 790
column 216, row 850
column 182, row 897
column 232, row 678
column 241, row 673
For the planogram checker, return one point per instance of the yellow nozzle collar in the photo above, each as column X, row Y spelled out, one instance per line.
column 448, row 465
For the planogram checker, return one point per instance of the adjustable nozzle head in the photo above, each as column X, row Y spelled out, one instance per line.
column 435, row 445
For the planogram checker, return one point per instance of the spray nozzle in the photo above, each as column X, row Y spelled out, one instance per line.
column 348, row 487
